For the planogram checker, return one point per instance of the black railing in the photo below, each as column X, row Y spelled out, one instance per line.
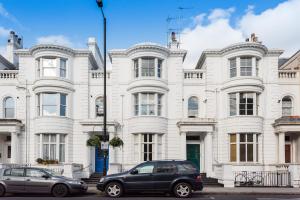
column 262, row 179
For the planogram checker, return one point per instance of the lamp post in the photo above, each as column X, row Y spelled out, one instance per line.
column 100, row 5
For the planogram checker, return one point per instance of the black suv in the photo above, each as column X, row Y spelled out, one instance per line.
column 177, row 177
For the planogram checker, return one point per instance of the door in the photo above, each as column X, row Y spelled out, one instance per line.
column 35, row 180
column 193, row 154
column 164, row 174
column 14, row 180
column 142, row 179
column 99, row 160
column 287, row 153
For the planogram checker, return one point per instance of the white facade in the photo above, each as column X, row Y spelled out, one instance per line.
column 225, row 114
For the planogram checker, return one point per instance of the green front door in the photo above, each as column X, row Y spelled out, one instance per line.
column 193, row 154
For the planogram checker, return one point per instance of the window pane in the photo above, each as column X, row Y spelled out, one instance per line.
column 233, row 138
column 9, row 107
column 232, row 102
column 136, row 68
column 242, row 137
column 49, row 71
column 233, row 153
column 99, row 106
column 63, row 103
column 61, row 153
column 145, row 169
column 233, row 70
column 49, row 111
column 242, row 152
column 34, row 173
column 159, row 68
column 148, row 66
column 249, row 137
column 17, row 172
column 250, row 152
column 167, row 168
column 193, row 107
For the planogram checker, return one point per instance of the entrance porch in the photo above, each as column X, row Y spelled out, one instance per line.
column 10, row 132
column 196, row 142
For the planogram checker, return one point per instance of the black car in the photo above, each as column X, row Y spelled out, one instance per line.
column 177, row 177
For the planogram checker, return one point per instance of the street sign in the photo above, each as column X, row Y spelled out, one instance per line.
column 104, row 145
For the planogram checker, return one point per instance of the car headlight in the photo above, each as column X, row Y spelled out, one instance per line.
column 101, row 180
column 75, row 182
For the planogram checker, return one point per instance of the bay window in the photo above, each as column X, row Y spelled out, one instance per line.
column 147, row 104
column 52, row 67
column 147, row 67
column 246, row 66
column 243, row 103
column 147, row 147
column 51, row 147
column 243, row 147
column 243, row 66
column 52, row 104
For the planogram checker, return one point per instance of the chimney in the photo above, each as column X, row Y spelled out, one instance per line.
column 14, row 42
column 173, row 44
column 254, row 38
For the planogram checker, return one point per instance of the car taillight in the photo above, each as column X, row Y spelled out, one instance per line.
column 198, row 178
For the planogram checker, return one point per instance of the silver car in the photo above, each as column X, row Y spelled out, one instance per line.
column 38, row 180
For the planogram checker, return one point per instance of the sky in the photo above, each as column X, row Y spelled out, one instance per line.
column 202, row 24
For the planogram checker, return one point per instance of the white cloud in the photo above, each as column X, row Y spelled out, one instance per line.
column 276, row 27
column 3, row 51
column 55, row 39
column 4, row 32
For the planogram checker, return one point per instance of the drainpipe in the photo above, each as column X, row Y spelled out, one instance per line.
column 122, row 127
column 27, row 122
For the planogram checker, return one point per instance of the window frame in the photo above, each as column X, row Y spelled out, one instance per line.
column 193, row 112
column 147, row 104
column 245, row 68
column 239, row 106
column 284, row 108
column 60, row 107
column 61, row 71
column 97, row 113
column 152, row 69
column 6, row 108
column 232, row 68
column 237, row 143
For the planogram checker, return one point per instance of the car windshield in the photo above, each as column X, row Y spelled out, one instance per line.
column 52, row 172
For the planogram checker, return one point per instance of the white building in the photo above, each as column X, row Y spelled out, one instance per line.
column 235, row 111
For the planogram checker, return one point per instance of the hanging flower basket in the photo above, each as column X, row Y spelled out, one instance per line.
column 116, row 142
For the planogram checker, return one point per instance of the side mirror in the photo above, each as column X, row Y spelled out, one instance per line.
column 135, row 171
column 45, row 176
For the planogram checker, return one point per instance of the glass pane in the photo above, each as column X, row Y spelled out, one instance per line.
column 233, row 138
column 52, row 152
column 49, row 111
column 145, row 169
column 62, row 110
column 242, row 137
column 242, row 152
column 145, row 138
column 46, row 138
column 150, row 137
column 17, row 172
column 233, row 153
column 9, row 113
column 49, row 71
column 250, row 152
column 249, row 137
column 49, row 99
column 62, row 138
column 9, row 102
column 63, row 99
column 49, row 62
column 52, row 138
column 61, row 153
column 45, row 151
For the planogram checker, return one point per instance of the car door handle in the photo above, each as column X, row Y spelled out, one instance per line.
column 7, row 179
column 28, row 180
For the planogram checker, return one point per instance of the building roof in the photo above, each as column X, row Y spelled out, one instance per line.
column 7, row 65
column 287, row 63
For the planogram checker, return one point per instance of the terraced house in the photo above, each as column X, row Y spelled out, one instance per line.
column 235, row 114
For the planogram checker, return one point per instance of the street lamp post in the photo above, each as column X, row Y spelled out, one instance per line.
column 100, row 5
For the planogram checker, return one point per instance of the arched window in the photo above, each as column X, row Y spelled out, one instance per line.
column 99, row 107
column 193, row 107
column 287, row 106
column 9, row 107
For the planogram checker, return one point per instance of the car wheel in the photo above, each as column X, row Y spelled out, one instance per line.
column 2, row 190
column 182, row 190
column 60, row 190
column 114, row 189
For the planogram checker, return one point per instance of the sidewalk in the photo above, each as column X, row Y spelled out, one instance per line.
column 237, row 190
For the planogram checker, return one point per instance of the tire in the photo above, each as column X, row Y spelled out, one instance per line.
column 182, row 190
column 114, row 190
column 60, row 190
column 2, row 191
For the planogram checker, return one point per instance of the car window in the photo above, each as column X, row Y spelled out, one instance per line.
column 186, row 168
column 166, row 168
column 7, row 172
column 145, row 169
column 17, row 172
column 35, row 173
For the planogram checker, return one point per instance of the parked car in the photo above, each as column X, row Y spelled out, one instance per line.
column 38, row 180
column 177, row 177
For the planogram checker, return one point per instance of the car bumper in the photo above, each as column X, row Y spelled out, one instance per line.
column 100, row 186
column 78, row 188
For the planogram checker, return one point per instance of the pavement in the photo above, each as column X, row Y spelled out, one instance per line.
column 236, row 190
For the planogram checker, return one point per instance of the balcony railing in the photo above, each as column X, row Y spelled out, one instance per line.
column 283, row 74
column 99, row 74
column 193, row 74
column 9, row 74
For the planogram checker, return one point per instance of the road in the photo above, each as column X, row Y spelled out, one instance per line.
column 92, row 196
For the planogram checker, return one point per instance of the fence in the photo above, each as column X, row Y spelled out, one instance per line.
column 262, row 179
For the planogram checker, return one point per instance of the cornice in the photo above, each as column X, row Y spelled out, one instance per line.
column 147, row 47
column 238, row 46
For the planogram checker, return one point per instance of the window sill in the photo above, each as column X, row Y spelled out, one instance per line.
column 53, row 117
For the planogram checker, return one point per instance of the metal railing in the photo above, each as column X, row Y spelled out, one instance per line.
column 262, row 179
